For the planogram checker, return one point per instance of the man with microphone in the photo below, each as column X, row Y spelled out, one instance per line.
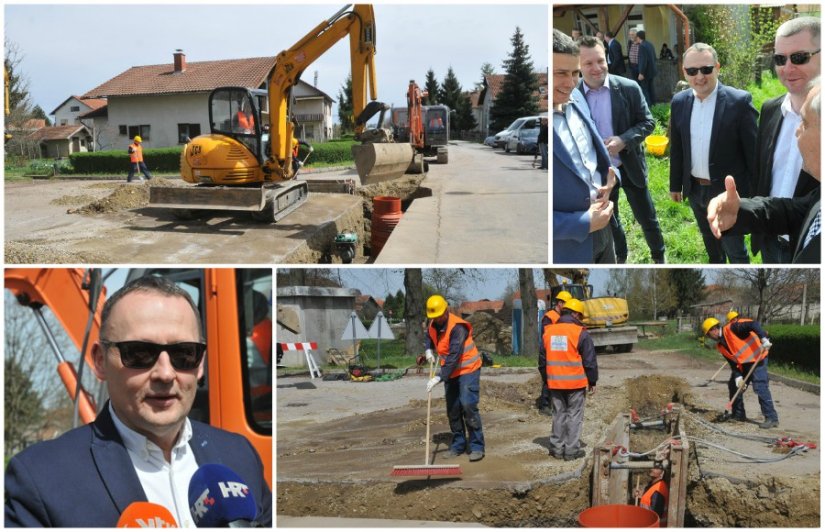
column 142, row 447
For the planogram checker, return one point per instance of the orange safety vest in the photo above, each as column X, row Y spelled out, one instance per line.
column 738, row 350
column 552, row 315
column 470, row 360
column 262, row 338
column 137, row 153
column 246, row 122
column 660, row 486
column 563, row 361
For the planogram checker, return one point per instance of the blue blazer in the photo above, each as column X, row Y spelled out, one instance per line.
column 732, row 141
column 85, row 477
column 572, row 243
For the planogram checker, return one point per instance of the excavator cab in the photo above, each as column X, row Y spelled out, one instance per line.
column 235, row 112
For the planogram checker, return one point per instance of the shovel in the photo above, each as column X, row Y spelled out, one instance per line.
column 724, row 364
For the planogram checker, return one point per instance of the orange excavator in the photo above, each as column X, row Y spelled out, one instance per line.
column 425, row 127
column 235, row 393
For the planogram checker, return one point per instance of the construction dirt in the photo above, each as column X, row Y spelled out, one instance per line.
column 338, row 441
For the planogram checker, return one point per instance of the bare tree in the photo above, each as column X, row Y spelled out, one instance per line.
column 529, row 309
column 773, row 290
column 414, row 317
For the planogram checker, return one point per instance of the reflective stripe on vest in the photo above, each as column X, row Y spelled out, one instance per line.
column 470, row 360
column 660, row 486
column 739, row 350
column 563, row 361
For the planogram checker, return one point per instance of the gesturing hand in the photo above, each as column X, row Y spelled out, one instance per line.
column 724, row 208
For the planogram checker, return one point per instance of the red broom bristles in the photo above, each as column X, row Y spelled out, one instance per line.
column 426, row 471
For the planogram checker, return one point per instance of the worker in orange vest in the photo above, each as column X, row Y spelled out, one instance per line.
column 246, row 122
column 551, row 316
column 655, row 495
column 136, row 160
column 451, row 339
column 569, row 357
column 744, row 343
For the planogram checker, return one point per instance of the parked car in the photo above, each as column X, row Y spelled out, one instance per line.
column 529, row 122
column 502, row 136
column 528, row 141
column 490, row 141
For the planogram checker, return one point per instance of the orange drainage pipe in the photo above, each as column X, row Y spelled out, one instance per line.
column 618, row 516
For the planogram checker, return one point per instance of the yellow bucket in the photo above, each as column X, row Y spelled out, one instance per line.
column 656, row 144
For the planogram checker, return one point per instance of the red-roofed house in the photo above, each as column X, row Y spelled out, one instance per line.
column 60, row 141
column 73, row 107
column 166, row 103
column 492, row 85
column 467, row 308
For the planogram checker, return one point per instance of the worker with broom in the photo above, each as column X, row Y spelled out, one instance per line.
column 451, row 339
column 569, row 357
column 745, row 345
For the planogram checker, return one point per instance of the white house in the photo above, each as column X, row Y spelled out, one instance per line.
column 166, row 103
column 61, row 141
column 73, row 107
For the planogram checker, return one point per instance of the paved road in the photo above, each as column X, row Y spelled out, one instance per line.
column 487, row 207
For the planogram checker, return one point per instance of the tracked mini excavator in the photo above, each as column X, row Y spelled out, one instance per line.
column 248, row 161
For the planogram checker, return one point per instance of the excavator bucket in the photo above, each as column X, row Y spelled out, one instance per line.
column 381, row 161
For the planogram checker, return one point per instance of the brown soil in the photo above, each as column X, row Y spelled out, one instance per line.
column 337, row 464
column 123, row 197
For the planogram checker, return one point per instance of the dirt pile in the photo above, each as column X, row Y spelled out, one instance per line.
column 648, row 394
column 406, row 188
column 123, row 197
column 490, row 333
column 35, row 253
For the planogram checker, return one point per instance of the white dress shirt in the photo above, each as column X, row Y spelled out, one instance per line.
column 164, row 483
column 575, row 136
column 787, row 160
column 701, row 126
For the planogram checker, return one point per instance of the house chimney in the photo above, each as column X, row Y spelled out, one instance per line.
column 180, row 61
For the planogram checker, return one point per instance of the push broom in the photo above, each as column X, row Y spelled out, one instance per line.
column 427, row 470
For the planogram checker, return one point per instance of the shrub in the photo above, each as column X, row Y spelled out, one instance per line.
column 329, row 152
column 165, row 160
column 795, row 345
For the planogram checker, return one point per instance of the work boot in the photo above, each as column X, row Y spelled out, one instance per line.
column 769, row 424
column 452, row 453
column 475, row 456
column 578, row 454
column 554, row 454
column 546, row 411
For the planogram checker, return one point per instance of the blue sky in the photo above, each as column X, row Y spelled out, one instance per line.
column 68, row 49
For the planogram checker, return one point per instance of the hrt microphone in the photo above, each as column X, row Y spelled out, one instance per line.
column 146, row 515
column 218, row 497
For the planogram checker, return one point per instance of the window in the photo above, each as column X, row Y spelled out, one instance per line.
column 64, row 122
column 121, row 130
column 188, row 131
column 143, row 131
column 74, row 109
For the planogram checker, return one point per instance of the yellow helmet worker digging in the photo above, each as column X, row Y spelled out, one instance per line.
column 451, row 339
column 745, row 345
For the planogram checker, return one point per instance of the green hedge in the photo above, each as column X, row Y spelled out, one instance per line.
column 329, row 152
column 795, row 345
column 165, row 160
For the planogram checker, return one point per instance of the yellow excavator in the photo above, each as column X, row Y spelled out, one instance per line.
column 248, row 162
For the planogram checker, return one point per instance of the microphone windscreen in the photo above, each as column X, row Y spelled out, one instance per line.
column 146, row 515
column 218, row 497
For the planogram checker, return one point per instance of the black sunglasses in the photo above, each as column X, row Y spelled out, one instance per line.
column 692, row 71
column 797, row 58
column 143, row 355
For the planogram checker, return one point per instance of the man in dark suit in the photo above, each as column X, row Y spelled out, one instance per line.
column 801, row 217
column 623, row 119
column 615, row 59
column 142, row 446
column 582, row 175
column 778, row 160
column 647, row 67
column 713, row 134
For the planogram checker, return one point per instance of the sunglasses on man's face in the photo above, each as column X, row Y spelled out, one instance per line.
column 144, row 355
column 797, row 58
column 692, row 71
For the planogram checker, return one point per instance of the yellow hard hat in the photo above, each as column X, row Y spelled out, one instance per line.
column 138, row 139
column 709, row 324
column 564, row 295
column 730, row 316
column 436, row 306
column 575, row 305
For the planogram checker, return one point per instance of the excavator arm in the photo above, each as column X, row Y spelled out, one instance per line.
column 75, row 297
column 358, row 23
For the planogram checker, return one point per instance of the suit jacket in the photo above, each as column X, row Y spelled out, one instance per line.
column 632, row 122
column 647, row 60
column 732, row 141
column 85, row 477
column 572, row 243
column 614, row 53
column 770, row 123
column 781, row 216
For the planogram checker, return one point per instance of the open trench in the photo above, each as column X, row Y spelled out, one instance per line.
column 340, row 468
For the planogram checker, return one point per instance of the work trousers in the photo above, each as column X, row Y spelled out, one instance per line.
column 645, row 213
column 568, row 418
column 462, row 394
column 141, row 167
column 759, row 383
column 731, row 247
column 775, row 250
column 543, row 153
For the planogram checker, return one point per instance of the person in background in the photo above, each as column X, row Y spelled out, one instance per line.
column 136, row 163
